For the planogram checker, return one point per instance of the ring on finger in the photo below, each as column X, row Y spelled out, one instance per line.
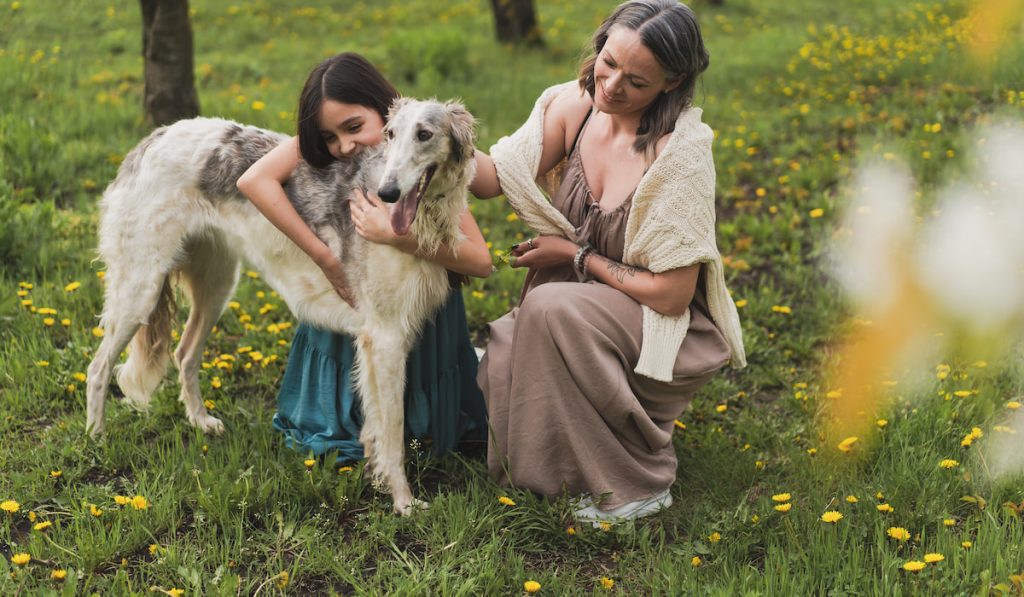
column 530, row 244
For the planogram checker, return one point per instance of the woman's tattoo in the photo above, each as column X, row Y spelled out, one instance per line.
column 620, row 270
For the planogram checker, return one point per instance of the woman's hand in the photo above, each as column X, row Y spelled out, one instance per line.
column 544, row 252
column 372, row 218
column 334, row 270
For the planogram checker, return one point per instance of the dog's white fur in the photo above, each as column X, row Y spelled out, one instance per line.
column 158, row 221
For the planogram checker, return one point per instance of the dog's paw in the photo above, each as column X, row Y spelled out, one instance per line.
column 408, row 508
column 207, row 424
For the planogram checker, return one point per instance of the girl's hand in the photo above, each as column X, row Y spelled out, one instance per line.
column 372, row 218
column 334, row 270
column 543, row 252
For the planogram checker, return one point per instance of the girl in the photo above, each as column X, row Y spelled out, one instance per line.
column 342, row 111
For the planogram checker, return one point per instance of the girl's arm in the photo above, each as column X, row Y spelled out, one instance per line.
column 263, row 184
column 668, row 293
column 470, row 256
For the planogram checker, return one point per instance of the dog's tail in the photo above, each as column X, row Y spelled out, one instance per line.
column 149, row 351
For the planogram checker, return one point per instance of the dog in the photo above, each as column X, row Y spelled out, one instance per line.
column 174, row 215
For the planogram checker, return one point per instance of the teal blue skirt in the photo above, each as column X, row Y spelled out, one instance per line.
column 318, row 407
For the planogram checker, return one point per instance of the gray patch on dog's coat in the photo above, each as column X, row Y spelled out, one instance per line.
column 239, row 148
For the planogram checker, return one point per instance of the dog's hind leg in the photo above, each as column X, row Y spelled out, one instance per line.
column 208, row 277
column 380, row 379
column 129, row 303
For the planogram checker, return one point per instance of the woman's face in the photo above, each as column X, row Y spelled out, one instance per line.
column 349, row 128
column 627, row 76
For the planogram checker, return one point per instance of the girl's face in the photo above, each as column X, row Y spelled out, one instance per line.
column 627, row 76
column 349, row 128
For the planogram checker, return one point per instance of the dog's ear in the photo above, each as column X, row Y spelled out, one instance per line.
column 461, row 131
column 396, row 106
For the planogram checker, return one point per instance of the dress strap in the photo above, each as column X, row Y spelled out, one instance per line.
column 579, row 133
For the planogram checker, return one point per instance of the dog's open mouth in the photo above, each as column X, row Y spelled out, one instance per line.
column 404, row 211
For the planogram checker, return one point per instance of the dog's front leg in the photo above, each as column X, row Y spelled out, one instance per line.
column 380, row 379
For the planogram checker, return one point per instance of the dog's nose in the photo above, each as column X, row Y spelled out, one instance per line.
column 389, row 192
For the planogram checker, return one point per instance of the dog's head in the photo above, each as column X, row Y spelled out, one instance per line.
column 422, row 136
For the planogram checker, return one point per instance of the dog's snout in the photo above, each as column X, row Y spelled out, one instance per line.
column 389, row 192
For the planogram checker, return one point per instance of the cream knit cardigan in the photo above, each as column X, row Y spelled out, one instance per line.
column 671, row 224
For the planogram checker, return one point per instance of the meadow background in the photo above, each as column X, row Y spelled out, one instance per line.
column 798, row 93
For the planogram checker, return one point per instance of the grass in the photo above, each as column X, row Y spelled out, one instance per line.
column 798, row 93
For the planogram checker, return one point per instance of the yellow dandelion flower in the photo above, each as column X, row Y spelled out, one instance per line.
column 153, row 548
column 741, row 303
column 966, row 544
column 607, row 582
column 949, row 463
column 721, row 408
column 121, row 500
column 834, row 394
column 816, row 213
column 79, row 376
column 59, row 574
column 31, row 516
column 832, row 516
column 781, row 309
column 42, row 526
column 781, row 497
column 605, row 526
column 310, row 463
column 847, row 444
column 20, row 559
column 784, row 507
column 881, row 423
column 914, row 566
column 884, row 508
column 282, row 579
column 531, row 586
column 962, row 393
column 949, row 522
column 72, row 287
column 506, row 501
column 56, row 474
column 934, row 558
column 852, row 499
column 1013, row 405
column 812, row 451
column 258, row 105
column 48, row 321
column 679, row 424
column 898, row 533
column 175, row 592
column 209, row 404
column 570, row 531
column 98, row 332
column 696, row 561
column 9, row 506
column 42, row 363
column 139, row 503
column 512, row 217
column 95, row 511
column 715, row 537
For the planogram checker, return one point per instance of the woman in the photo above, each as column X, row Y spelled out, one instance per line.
column 342, row 111
column 624, row 313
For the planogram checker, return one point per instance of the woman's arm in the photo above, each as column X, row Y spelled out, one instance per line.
column 668, row 293
column 566, row 110
column 470, row 256
column 262, row 184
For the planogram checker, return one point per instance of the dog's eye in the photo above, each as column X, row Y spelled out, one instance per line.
column 424, row 135
column 390, row 134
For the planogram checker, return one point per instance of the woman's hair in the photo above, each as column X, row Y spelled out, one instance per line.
column 348, row 78
column 670, row 31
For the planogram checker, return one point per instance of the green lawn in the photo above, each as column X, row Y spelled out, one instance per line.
column 798, row 93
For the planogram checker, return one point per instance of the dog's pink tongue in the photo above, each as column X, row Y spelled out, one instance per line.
column 404, row 213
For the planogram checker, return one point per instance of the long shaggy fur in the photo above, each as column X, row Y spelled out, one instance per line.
column 173, row 212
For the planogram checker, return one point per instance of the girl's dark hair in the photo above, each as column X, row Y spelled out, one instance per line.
column 670, row 31
column 348, row 78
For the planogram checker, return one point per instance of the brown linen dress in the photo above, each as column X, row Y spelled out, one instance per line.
column 567, row 412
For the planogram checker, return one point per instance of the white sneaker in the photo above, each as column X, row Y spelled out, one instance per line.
column 627, row 511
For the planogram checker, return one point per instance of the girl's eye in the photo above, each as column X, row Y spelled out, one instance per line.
column 355, row 128
column 609, row 63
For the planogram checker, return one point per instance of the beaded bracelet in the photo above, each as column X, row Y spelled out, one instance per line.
column 579, row 262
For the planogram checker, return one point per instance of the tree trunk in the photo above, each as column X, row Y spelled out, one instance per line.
column 170, row 93
column 516, row 22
